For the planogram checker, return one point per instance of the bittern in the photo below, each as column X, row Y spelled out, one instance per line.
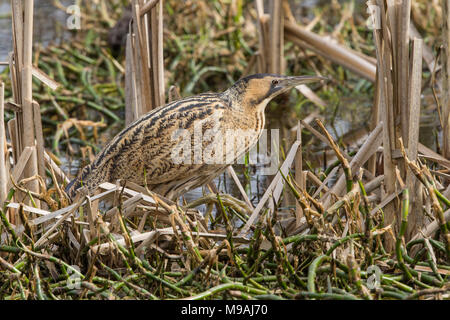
column 148, row 151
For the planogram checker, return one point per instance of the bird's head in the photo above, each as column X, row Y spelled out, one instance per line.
column 256, row 91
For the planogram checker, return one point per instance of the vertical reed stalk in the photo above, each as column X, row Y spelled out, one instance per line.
column 3, row 151
column 399, row 97
column 276, row 37
column 376, row 118
column 271, row 37
column 403, row 84
column 145, row 86
column 446, row 77
column 22, row 85
column 40, row 148
column 416, row 219
column 263, row 28
column 131, row 97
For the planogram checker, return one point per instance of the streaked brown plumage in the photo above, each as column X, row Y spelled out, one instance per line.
column 149, row 144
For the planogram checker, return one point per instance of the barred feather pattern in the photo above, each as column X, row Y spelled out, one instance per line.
column 143, row 152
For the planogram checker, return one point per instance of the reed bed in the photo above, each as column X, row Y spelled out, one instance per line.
column 368, row 221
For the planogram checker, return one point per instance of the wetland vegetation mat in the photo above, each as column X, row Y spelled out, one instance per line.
column 352, row 213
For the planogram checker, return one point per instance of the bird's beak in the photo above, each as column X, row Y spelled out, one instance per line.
column 291, row 82
column 283, row 84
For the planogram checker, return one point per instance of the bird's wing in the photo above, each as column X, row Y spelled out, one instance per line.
column 166, row 144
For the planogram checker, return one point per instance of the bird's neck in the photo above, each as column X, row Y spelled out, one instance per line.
column 245, row 112
column 238, row 97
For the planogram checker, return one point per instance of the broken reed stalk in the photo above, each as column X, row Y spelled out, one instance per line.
column 145, row 83
column 334, row 52
column 271, row 37
column 160, row 53
column 375, row 119
column 40, row 147
column 416, row 217
column 399, row 99
column 383, row 58
column 403, row 62
column 147, row 7
column 428, row 54
column 3, row 151
column 22, row 127
column 132, row 99
column 299, row 173
column 263, row 34
column 375, row 114
column 27, row 92
column 276, row 42
column 141, row 55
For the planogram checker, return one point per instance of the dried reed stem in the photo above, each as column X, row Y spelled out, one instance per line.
column 416, row 217
column 3, row 151
column 276, row 42
column 299, row 173
column 446, row 77
column 145, row 84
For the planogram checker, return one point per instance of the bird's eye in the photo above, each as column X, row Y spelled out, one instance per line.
column 274, row 82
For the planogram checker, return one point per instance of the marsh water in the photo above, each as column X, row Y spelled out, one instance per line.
column 351, row 118
column 49, row 24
